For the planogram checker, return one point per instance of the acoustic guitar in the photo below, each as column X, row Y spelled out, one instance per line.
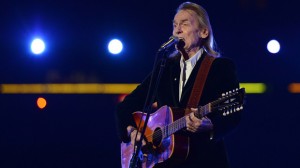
column 163, row 140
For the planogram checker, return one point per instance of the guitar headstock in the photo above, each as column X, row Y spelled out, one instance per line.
column 230, row 102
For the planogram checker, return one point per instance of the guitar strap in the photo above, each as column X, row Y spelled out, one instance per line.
column 199, row 83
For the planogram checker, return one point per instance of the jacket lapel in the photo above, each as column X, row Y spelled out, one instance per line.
column 174, row 78
column 190, row 83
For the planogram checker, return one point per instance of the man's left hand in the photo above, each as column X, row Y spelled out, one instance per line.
column 194, row 124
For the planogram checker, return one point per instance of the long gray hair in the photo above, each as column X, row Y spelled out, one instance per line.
column 209, row 44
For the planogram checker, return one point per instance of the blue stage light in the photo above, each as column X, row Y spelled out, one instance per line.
column 37, row 46
column 273, row 46
column 115, row 46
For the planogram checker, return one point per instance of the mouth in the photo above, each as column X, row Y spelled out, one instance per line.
column 181, row 38
column 181, row 43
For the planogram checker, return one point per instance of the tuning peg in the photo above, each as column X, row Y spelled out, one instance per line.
column 223, row 94
column 241, row 107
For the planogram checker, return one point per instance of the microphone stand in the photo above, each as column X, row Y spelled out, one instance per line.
column 148, row 106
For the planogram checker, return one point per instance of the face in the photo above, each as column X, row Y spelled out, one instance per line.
column 186, row 26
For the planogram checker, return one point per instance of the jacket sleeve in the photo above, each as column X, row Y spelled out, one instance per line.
column 225, row 79
column 136, row 101
column 133, row 102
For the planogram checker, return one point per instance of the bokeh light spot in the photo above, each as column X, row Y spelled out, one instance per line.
column 115, row 46
column 37, row 46
column 273, row 46
column 41, row 102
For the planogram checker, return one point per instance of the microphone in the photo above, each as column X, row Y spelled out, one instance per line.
column 172, row 40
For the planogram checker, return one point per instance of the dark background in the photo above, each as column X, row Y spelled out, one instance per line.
column 79, row 130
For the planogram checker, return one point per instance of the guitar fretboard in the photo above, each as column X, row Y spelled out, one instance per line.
column 174, row 127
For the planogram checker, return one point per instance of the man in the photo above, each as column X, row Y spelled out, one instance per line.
column 206, row 149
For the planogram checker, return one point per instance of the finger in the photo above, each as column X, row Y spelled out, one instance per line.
column 188, row 120
column 188, row 129
column 194, row 109
column 138, row 138
column 190, row 124
column 190, row 117
column 191, row 129
column 133, row 136
column 132, row 141
column 143, row 142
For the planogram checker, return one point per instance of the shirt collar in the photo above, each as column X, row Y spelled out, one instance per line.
column 193, row 60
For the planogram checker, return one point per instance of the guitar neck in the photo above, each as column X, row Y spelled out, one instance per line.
column 181, row 122
column 174, row 127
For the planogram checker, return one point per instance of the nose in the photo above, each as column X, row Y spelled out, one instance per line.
column 177, row 30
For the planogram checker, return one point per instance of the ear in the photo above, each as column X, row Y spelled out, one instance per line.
column 203, row 33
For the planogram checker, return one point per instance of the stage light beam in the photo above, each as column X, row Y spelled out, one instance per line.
column 254, row 88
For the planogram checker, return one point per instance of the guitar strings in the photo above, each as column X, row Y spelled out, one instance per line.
column 171, row 126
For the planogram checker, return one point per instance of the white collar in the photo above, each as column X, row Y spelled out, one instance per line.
column 193, row 60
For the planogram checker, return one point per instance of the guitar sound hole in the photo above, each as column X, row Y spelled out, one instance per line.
column 157, row 137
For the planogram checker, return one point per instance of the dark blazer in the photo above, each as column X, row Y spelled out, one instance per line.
column 204, row 152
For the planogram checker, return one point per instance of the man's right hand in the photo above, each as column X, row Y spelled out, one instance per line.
column 132, row 134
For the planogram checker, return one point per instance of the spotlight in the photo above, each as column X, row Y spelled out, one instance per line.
column 273, row 46
column 115, row 46
column 37, row 46
column 41, row 102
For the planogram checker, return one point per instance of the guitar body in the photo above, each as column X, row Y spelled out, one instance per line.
column 159, row 149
